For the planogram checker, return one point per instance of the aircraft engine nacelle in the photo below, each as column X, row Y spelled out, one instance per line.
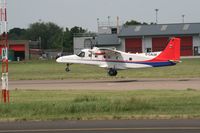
column 99, row 53
column 96, row 51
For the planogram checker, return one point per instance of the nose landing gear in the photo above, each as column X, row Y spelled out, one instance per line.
column 67, row 68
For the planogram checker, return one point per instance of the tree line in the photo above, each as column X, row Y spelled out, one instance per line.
column 51, row 35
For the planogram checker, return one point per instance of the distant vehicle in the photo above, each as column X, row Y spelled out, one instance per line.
column 114, row 60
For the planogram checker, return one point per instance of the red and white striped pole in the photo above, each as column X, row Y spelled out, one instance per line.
column 4, row 51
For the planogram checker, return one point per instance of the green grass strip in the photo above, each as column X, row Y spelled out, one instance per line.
column 44, row 70
column 92, row 105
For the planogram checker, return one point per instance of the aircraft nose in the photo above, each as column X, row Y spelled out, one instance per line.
column 59, row 60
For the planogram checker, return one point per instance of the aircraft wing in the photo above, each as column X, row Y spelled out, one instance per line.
column 111, row 56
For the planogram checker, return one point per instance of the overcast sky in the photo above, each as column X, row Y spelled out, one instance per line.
column 84, row 13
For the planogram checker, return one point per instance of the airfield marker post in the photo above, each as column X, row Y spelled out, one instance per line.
column 4, row 43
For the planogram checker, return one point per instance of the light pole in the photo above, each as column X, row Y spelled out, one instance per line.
column 98, row 22
column 156, row 15
column 40, row 42
column 98, row 25
column 183, row 18
column 108, row 20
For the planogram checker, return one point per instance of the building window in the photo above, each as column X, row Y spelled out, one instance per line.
column 114, row 30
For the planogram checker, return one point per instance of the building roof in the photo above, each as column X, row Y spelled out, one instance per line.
column 107, row 39
column 160, row 29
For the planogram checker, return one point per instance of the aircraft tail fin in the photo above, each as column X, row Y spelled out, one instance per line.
column 171, row 52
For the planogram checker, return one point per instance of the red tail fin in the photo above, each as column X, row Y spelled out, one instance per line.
column 171, row 52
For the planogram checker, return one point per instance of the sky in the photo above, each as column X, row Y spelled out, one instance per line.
column 84, row 13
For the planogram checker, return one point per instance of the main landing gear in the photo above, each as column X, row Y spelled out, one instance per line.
column 112, row 72
column 67, row 68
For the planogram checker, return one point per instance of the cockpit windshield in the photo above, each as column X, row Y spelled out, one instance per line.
column 81, row 54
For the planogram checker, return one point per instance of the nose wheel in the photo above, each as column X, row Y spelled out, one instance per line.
column 67, row 68
column 112, row 72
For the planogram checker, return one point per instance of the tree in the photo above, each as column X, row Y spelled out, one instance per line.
column 17, row 34
column 67, row 42
column 133, row 22
column 76, row 30
column 50, row 34
column 55, row 36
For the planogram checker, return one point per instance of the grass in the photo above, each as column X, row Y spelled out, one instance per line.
column 36, row 70
column 92, row 105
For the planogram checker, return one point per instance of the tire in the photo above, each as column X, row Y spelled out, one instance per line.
column 112, row 72
column 67, row 69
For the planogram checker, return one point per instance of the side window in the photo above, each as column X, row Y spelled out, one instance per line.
column 82, row 54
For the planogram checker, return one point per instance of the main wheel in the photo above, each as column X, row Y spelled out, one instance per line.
column 112, row 72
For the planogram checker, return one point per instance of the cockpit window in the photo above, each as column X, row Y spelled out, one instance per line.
column 81, row 54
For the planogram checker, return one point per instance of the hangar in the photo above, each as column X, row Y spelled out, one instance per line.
column 18, row 49
column 145, row 38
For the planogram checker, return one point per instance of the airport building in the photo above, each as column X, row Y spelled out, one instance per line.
column 98, row 40
column 18, row 49
column 144, row 38
column 107, row 36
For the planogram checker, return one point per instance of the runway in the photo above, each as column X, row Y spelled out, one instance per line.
column 122, row 126
column 113, row 84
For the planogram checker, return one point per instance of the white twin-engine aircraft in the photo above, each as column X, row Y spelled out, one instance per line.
column 115, row 60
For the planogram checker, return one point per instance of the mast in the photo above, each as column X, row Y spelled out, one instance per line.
column 4, row 50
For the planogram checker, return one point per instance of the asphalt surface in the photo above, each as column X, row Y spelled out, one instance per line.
column 115, row 84
column 122, row 126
